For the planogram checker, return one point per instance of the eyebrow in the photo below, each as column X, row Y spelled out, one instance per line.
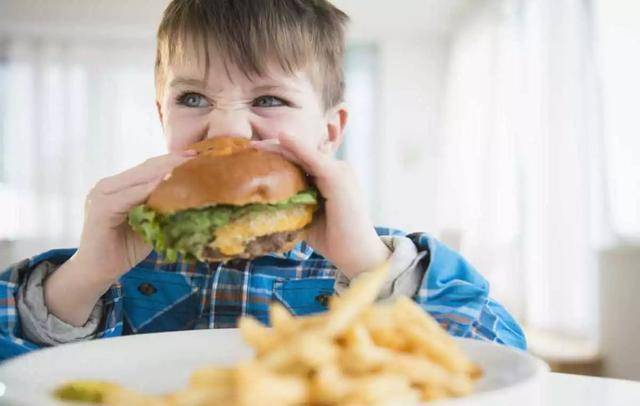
column 269, row 88
column 185, row 81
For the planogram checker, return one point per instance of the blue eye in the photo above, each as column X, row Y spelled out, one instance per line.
column 193, row 100
column 269, row 101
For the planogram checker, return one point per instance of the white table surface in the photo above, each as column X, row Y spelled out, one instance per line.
column 565, row 389
column 542, row 389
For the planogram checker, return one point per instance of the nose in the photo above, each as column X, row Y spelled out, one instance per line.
column 232, row 122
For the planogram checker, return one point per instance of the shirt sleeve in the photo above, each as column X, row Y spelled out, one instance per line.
column 38, row 324
column 446, row 286
column 405, row 274
column 15, row 283
column 457, row 296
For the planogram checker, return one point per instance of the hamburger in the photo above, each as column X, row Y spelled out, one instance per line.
column 230, row 201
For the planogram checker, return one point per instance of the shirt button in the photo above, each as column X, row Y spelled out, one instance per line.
column 323, row 299
column 147, row 289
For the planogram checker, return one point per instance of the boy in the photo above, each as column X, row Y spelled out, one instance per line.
column 270, row 71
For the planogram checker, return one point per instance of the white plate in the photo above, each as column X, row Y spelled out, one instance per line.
column 158, row 363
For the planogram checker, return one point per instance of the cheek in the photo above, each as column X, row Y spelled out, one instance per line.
column 310, row 127
column 182, row 128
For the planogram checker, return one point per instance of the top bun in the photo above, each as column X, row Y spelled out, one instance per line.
column 227, row 171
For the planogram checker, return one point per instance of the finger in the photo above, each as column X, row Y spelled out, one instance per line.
column 312, row 161
column 143, row 173
column 126, row 199
column 273, row 145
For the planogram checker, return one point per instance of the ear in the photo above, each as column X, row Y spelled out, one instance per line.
column 336, row 122
column 159, row 108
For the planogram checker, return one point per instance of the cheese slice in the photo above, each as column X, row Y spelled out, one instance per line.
column 232, row 238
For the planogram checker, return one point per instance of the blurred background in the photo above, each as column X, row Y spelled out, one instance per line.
column 507, row 128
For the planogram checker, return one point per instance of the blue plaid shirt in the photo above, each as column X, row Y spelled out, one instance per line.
column 156, row 296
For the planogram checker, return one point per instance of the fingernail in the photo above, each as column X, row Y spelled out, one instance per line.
column 189, row 152
column 270, row 141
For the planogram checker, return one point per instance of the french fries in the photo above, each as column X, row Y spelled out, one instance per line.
column 357, row 353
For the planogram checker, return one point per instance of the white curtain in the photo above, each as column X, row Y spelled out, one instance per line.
column 618, row 42
column 73, row 111
column 521, row 159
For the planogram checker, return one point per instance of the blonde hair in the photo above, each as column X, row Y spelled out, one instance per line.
column 296, row 34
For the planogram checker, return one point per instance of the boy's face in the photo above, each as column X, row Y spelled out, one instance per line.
column 258, row 108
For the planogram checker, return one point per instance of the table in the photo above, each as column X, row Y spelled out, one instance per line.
column 29, row 380
column 566, row 389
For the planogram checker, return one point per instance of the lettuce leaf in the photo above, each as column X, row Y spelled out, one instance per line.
column 188, row 232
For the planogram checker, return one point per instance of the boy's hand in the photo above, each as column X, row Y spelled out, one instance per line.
column 108, row 247
column 107, row 240
column 344, row 233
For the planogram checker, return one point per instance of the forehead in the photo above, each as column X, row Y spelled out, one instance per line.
column 213, row 67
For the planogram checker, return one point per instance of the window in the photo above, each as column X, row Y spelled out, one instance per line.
column 361, row 77
column 3, row 101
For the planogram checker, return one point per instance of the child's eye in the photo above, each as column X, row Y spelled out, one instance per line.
column 193, row 100
column 269, row 101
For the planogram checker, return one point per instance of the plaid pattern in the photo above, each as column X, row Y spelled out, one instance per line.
column 156, row 296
